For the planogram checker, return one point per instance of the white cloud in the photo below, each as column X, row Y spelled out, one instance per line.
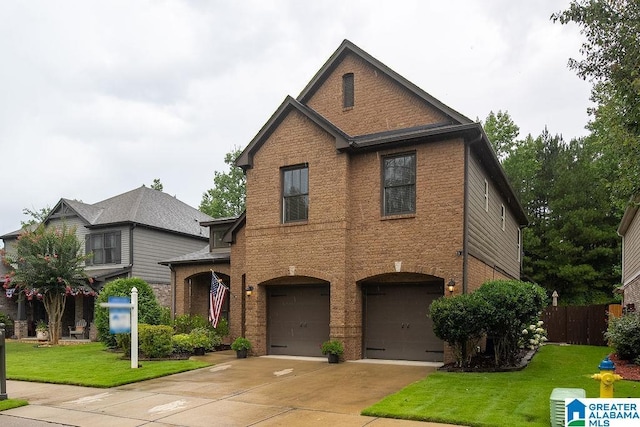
column 101, row 97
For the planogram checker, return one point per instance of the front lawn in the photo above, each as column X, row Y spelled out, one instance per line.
column 501, row 399
column 87, row 365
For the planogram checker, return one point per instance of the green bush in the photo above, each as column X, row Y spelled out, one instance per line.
column 155, row 340
column 123, row 342
column 182, row 343
column 222, row 330
column 624, row 335
column 165, row 316
column 149, row 310
column 241, row 343
column 513, row 306
column 461, row 322
column 185, row 323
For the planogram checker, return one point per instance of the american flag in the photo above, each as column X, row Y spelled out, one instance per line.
column 216, row 299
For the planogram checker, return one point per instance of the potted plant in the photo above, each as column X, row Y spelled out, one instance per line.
column 200, row 340
column 42, row 330
column 241, row 346
column 333, row 349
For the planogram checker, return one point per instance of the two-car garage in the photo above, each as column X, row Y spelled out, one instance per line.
column 394, row 319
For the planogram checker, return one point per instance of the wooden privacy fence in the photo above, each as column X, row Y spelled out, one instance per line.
column 579, row 325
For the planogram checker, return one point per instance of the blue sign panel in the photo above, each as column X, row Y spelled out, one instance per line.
column 119, row 318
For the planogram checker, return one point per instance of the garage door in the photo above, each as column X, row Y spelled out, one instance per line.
column 396, row 323
column 298, row 319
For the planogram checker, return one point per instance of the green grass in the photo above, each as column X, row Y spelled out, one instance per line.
column 12, row 403
column 84, row 364
column 501, row 399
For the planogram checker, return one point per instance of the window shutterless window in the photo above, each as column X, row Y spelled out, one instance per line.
column 105, row 247
column 295, row 194
column 348, row 94
column 399, row 180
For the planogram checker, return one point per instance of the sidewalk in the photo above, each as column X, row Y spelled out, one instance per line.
column 258, row 391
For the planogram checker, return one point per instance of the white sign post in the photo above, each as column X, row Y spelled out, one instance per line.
column 116, row 316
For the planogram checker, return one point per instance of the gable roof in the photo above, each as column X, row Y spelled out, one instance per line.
column 142, row 206
column 245, row 159
column 457, row 126
column 347, row 47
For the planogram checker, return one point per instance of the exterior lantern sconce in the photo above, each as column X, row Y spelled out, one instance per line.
column 451, row 285
column 249, row 291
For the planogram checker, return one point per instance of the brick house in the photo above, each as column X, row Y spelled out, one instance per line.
column 366, row 199
column 629, row 230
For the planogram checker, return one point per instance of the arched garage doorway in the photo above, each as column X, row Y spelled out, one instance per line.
column 396, row 324
column 298, row 316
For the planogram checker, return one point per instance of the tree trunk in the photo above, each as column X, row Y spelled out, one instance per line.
column 54, row 304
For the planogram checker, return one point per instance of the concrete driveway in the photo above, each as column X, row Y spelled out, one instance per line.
column 257, row 391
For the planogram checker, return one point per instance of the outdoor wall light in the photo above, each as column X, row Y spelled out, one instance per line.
column 249, row 291
column 451, row 285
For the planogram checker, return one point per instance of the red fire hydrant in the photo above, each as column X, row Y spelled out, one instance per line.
column 606, row 378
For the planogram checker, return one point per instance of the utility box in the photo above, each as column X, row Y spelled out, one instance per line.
column 558, row 395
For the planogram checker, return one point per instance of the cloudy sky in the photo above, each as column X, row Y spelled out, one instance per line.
column 100, row 97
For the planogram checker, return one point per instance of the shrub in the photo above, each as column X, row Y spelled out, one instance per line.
column 460, row 321
column 513, row 306
column 182, row 343
column 332, row 347
column 123, row 341
column 155, row 340
column 623, row 334
column 165, row 316
column 149, row 311
column 222, row 330
column 241, row 343
column 185, row 323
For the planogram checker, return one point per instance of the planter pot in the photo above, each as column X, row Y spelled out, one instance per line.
column 333, row 358
column 198, row 351
column 241, row 354
column 42, row 335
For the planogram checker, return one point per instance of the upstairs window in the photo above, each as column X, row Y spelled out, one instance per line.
column 105, row 247
column 216, row 241
column 348, row 95
column 295, row 194
column 399, row 177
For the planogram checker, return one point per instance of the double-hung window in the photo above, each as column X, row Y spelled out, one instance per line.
column 105, row 247
column 399, row 179
column 295, row 194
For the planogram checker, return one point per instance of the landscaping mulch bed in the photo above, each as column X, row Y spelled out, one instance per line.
column 486, row 363
column 627, row 370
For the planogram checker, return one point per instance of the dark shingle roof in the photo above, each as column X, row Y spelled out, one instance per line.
column 145, row 206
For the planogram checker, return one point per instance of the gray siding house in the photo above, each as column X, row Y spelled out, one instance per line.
column 629, row 230
column 128, row 234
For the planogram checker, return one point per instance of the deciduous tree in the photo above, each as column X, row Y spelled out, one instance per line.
column 227, row 197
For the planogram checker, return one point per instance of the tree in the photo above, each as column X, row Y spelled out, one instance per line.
column 611, row 60
column 502, row 133
column 157, row 185
column 37, row 216
column 227, row 197
column 48, row 263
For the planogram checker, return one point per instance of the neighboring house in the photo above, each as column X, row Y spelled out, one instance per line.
column 128, row 235
column 629, row 230
column 366, row 199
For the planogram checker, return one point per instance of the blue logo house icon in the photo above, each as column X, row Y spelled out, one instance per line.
column 576, row 413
